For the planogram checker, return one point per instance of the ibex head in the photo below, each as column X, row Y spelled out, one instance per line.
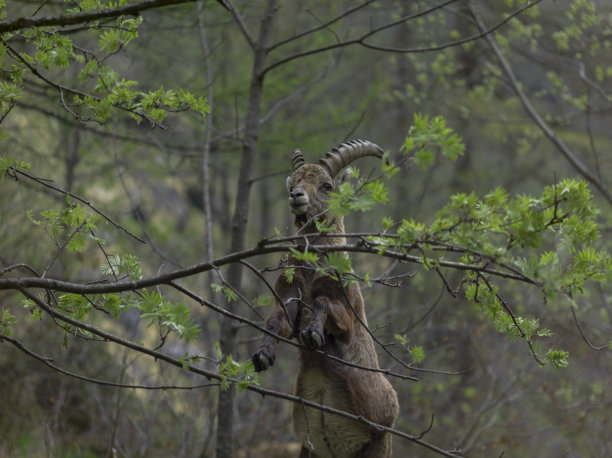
column 311, row 184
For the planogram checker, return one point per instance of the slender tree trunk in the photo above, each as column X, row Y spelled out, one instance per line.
column 206, row 148
column 229, row 329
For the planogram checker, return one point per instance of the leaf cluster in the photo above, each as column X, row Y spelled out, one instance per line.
column 241, row 375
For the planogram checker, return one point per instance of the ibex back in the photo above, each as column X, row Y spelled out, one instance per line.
column 325, row 316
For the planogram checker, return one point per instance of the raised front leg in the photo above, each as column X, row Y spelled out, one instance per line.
column 279, row 324
column 327, row 315
column 282, row 322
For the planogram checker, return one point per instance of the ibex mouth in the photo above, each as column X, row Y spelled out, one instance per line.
column 298, row 209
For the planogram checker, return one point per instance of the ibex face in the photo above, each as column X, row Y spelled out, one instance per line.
column 311, row 184
column 309, row 188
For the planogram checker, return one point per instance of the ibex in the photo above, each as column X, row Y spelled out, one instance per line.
column 326, row 316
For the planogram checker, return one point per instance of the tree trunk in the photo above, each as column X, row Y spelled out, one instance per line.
column 229, row 329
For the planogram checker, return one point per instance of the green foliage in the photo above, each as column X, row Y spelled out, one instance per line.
column 336, row 265
column 114, row 92
column 72, row 218
column 187, row 360
column 426, row 137
column 167, row 316
column 114, row 304
column 558, row 229
column 7, row 162
column 9, row 92
column 122, row 265
column 6, row 322
column 239, row 374
column 416, row 352
column 264, row 300
column 112, row 40
column 228, row 292
column 362, row 197
column 288, row 273
column 304, row 256
column 30, row 305
column 557, row 358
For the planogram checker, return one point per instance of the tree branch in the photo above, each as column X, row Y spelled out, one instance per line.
column 212, row 375
column 362, row 40
column 80, row 18
column 584, row 337
column 48, row 361
column 132, row 285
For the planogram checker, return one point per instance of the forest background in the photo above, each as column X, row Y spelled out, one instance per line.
column 141, row 140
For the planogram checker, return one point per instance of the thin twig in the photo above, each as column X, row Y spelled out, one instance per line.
column 47, row 184
column 48, row 361
column 584, row 337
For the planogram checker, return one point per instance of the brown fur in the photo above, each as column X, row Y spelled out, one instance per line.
column 324, row 315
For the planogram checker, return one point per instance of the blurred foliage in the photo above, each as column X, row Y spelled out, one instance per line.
column 114, row 114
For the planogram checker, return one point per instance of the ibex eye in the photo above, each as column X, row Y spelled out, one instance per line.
column 328, row 186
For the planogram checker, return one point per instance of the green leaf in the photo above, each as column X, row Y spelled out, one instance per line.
column 8, row 320
column 557, row 358
column 418, row 354
column 263, row 300
column 305, row 256
column 402, row 339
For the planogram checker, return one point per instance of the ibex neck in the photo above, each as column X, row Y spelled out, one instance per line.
column 335, row 236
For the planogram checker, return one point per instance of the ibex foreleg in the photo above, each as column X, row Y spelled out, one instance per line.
column 282, row 323
column 327, row 315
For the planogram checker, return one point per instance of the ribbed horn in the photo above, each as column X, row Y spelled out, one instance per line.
column 348, row 152
column 297, row 159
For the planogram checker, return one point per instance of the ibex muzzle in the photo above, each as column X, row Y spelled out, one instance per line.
column 298, row 200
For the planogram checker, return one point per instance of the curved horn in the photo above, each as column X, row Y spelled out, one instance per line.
column 348, row 152
column 297, row 159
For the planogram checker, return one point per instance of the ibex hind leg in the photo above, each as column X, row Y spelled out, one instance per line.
column 378, row 448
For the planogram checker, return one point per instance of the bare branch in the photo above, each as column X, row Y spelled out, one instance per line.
column 450, row 44
column 241, row 24
column 362, row 39
column 19, row 266
column 48, row 361
column 322, row 26
column 584, row 337
column 354, row 41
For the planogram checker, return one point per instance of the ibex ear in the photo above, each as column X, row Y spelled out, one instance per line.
column 289, row 184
